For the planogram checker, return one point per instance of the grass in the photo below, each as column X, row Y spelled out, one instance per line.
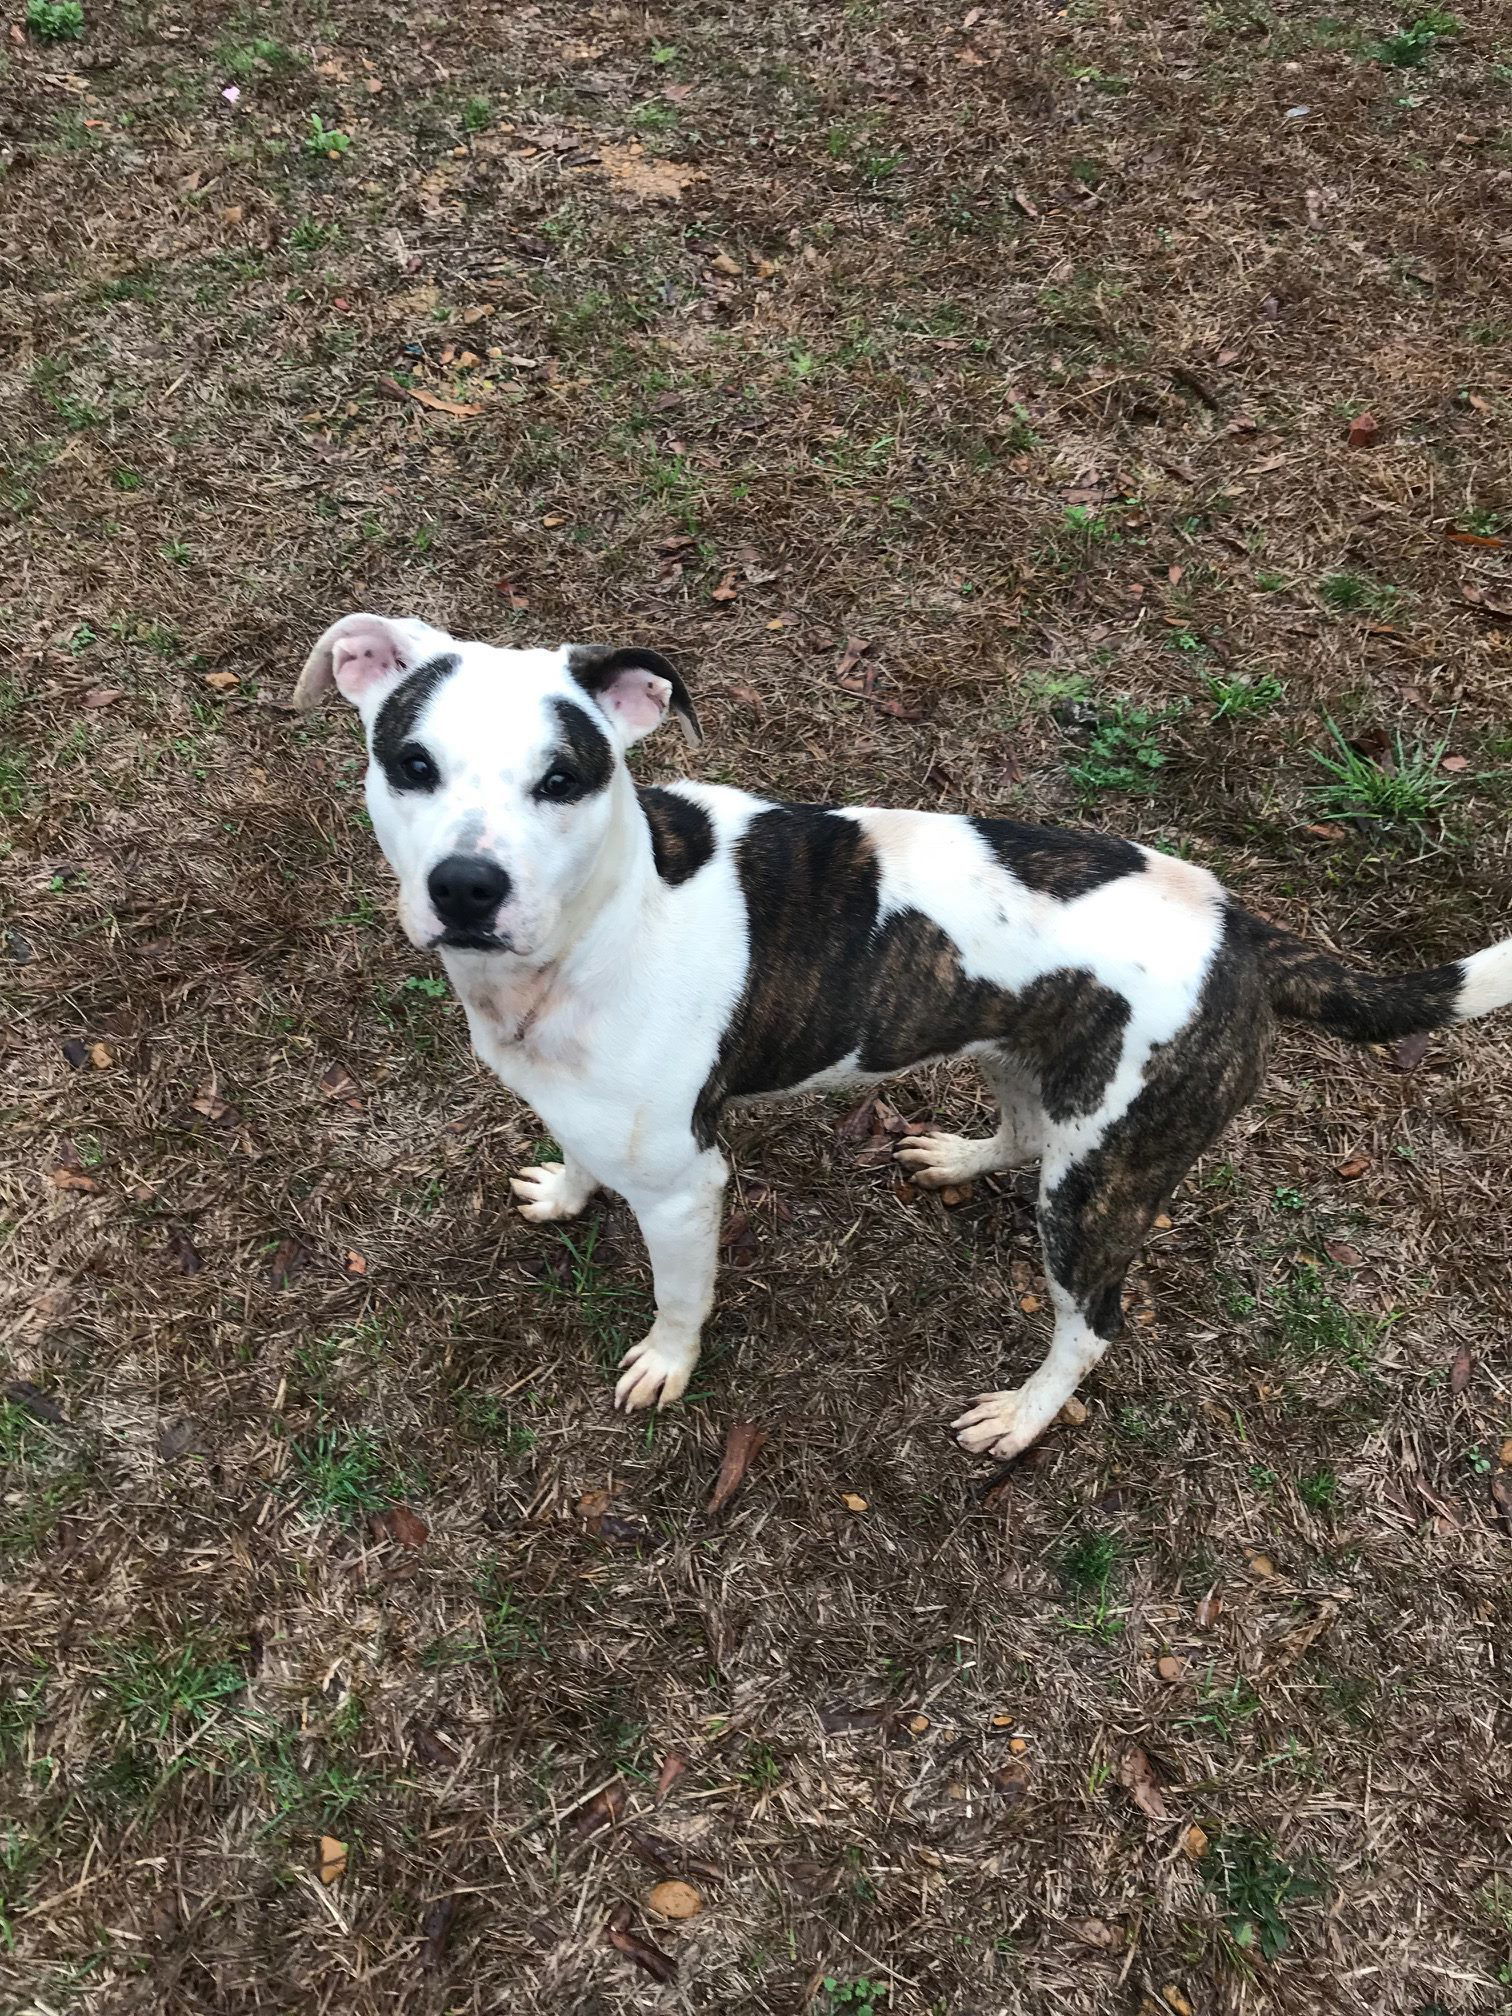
column 933, row 408
column 55, row 20
column 1407, row 789
column 859, row 1997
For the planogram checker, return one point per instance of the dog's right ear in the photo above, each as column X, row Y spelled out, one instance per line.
column 360, row 652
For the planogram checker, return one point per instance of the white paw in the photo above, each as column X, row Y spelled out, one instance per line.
column 939, row 1160
column 549, row 1192
column 654, row 1372
column 1004, row 1424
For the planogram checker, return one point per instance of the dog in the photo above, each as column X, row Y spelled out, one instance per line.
column 633, row 960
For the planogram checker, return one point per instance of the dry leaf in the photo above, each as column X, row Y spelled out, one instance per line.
column 728, row 588
column 854, row 1502
column 1030, row 1304
column 183, row 1252
column 1475, row 538
column 1194, row 1843
column 1096, row 1932
column 602, row 1810
column 354, row 1262
column 1364, row 431
column 432, row 401
column 660, row 1966
column 1012, row 1782
column 1504, row 1454
column 336, row 1082
column 436, row 1928
column 176, row 1438
column 723, row 263
column 333, row 1858
column 743, row 1443
column 1353, row 1166
column 100, row 1057
column 1137, row 1776
column 1209, row 1610
column 435, row 1750
column 1343, row 1254
column 674, row 1900
column 75, row 1053
column 670, row 1772
column 289, row 1257
column 73, row 1179
column 1262, row 1565
column 1073, row 1413
column 1175, row 2001
column 222, row 682
column 401, row 1524
column 1460, row 1370
column 22, row 1393
column 103, row 696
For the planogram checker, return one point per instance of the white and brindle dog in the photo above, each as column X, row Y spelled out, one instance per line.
column 632, row 960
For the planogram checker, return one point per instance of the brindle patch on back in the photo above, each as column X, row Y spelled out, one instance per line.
column 1057, row 861
column 829, row 977
column 682, row 837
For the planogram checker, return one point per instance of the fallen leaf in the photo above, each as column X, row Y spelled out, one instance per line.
column 354, row 1262
column 670, row 1772
column 1460, row 1370
column 1501, row 1497
column 1492, row 540
column 1030, row 1304
column 1262, row 1565
column 1022, row 202
column 183, row 1252
column 1096, row 1932
column 743, row 1442
column 1353, row 1166
column 399, row 1523
column 674, row 1900
column 103, row 696
column 100, row 1057
column 1137, row 1776
column 842, row 1720
column 1175, row 2001
column 855, row 650
column 222, row 682
column 1012, row 1782
column 1493, row 605
column 660, row 1966
column 727, row 590
column 434, row 1750
column 1002, row 1719
column 336, row 1082
column 432, row 401
column 32, row 1400
column 75, row 1053
column 1454, row 764
column 1411, row 1051
column 435, row 1927
column 1208, row 1610
column 1018, row 1745
column 1170, row 1668
column 1343, row 1254
column 176, row 1438
column 723, row 263
column 287, row 1260
column 854, row 1502
column 1364, row 431
column 602, row 1810
column 333, row 1859
column 215, row 1109
column 1504, row 1454
column 73, row 1179
column 918, row 1724
column 955, row 1194
column 677, row 94
column 1326, row 832
column 737, row 1240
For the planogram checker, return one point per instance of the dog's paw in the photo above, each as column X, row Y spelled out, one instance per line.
column 654, row 1372
column 550, row 1192
column 1004, row 1424
column 938, row 1160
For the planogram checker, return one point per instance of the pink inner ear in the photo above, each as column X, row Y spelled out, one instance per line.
column 363, row 655
column 638, row 698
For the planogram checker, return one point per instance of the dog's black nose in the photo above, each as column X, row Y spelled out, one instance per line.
column 466, row 890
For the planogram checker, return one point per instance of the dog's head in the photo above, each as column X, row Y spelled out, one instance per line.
column 494, row 777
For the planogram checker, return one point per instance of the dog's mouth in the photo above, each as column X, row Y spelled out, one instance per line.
column 472, row 941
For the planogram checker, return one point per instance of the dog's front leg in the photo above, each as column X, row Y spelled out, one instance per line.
column 679, row 1221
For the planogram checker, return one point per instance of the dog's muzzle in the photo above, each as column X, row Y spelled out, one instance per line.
column 466, row 891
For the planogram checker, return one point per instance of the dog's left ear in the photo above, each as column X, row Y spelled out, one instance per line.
column 635, row 688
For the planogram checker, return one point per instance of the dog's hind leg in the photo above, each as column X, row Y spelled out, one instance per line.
column 936, row 1160
column 1102, row 1184
column 554, row 1190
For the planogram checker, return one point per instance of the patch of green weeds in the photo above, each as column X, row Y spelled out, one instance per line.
column 652, row 115
column 1222, row 1710
column 1407, row 789
column 477, row 114
column 1124, row 753
column 508, row 1633
column 1357, row 595
column 1256, row 1889
column 55, row 20
column 1311, row 1323
column 1414, row 43
column 861, row 1997
column 345, row 1471
column 157, row 1689
column 330, row 141
column 15, row 789
column 50, row 376
column 22, row 1705
column 760, row 1769
column 20, row 1854
column 1319, row 1490
column 1239, row 697
column 244, row 59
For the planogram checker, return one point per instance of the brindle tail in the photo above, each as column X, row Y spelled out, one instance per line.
column 1309, row 985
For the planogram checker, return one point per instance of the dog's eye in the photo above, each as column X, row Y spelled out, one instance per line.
column 558, row 785
column 418, row 768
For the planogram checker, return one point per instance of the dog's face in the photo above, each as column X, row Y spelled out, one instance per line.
column 493, row 776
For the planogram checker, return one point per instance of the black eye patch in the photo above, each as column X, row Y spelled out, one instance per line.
column 585, row 762
column 417, row 768
column 393, row 731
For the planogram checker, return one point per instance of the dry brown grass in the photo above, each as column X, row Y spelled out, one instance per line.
column 913, row 291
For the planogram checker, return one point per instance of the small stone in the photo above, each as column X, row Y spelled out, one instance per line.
column 1074, row 1413
column 674, row 1900
column 853, row 1501
column 1169, row 1668
column 1018, row 1746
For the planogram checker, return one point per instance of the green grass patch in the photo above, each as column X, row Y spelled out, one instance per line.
column 1407, row 789
column 55, row 20
column 156, row 1690
column 1415, row 42
column 1357, row 595
column 1124, row 753
column 1256, row 1890
column 1239, row 697
column 1311, row 1323
column 346, row 1472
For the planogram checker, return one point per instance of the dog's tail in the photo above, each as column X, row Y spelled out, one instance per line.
column 1310, row 985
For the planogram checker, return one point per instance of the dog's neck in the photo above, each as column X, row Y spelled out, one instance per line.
column 539, row 1002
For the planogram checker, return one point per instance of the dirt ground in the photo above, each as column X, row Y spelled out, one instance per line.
column 1094, row 414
